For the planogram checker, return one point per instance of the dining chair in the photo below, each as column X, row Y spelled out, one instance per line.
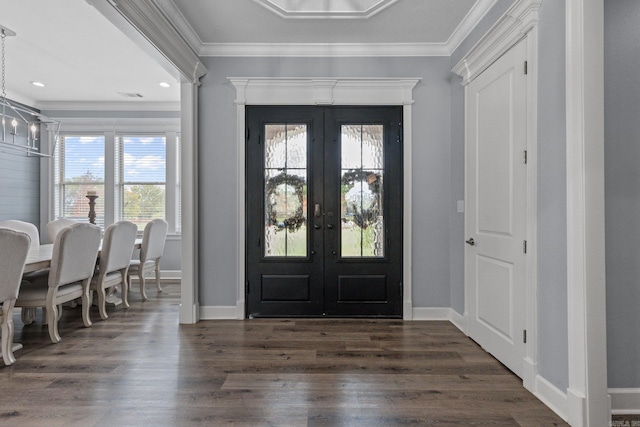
column 25, row 227
column 73, row 262
column 14, row 247
column 53, row 227
column 115, row 256
column 28, row 315
column 151, row 250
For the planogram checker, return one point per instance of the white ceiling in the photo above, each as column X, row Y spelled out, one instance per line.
column 83, row 58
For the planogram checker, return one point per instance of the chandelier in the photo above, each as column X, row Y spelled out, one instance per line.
column 20, row 126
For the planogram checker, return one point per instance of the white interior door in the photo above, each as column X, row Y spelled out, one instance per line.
column 495, row 220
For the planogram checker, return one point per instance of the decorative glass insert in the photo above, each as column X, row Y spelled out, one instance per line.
column 285, row 192
column 362, row 169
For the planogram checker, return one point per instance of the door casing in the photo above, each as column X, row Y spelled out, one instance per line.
column 327, row 91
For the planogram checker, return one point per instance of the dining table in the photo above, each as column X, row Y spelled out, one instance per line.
column 39, row 258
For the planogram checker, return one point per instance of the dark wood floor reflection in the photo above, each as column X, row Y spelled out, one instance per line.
column 140, row 368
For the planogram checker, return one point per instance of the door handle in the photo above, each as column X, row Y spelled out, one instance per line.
column 330, row 226
column 317, row 227
column 316, row 210
column 470, row 242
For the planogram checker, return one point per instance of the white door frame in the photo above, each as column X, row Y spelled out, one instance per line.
column 518, row 23
column 324, row 91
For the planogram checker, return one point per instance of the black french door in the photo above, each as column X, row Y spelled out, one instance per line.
column 324, row 211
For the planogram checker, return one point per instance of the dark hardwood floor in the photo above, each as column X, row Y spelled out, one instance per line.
column 140, row 368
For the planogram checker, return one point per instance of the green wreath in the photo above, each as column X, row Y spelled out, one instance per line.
column 363, row 218
column 294, row 222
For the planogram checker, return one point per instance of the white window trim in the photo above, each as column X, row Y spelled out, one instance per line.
column 168, row 127
column 326, row 91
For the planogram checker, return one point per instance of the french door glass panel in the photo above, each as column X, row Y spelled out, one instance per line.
column 285, row 202
column 362, row 170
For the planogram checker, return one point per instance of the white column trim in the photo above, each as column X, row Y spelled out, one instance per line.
column 587, row 392
column 324, row 91
column 189, row 304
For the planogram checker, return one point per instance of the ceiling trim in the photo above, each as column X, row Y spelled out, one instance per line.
column 181, row 24
column 468, row 23
column 108, row 106
column 155, row 33
column 289, row 10
column 512, row 27
column 324, row 49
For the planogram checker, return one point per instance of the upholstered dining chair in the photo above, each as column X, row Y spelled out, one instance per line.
column 152, row 248
column 53, row 227
column 28, row 315
column 14, row 247
column 73, row 262
column 115, row 256
column 25, row 227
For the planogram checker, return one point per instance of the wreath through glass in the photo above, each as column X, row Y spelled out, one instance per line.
column 363, row 206
column 285, row 185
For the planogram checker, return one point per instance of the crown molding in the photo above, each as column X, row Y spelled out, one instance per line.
column 107, row 106
column 134, row 125
column 324, row 49
column 182, row 26
column 148, row 25
column 468, row 23
column 512, row 27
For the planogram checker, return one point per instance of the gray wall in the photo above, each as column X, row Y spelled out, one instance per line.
column 553, row 349
column 19, row 183
column 431, row 160
column 622, row 190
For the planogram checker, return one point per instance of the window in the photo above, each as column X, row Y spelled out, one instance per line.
column 142, row 181
column 79, row 169
column 135, row 176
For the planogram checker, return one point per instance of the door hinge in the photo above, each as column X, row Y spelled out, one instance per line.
column 524, row 246
column 399, row 139
column 526, row 67
column 526, row 157
column 524, row 336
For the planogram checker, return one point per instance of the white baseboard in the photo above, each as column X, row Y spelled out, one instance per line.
column 165, row 276
column 218, row 312
column 441, row 313
column 551, row 396
column 431, row 313
column 170, row 274
column 625, row 401
column 459, row 320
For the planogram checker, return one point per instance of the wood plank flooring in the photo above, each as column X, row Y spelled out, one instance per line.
column 140, row 368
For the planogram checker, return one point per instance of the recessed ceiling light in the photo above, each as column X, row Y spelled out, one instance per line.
column 164, row 84
column 39, row 84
